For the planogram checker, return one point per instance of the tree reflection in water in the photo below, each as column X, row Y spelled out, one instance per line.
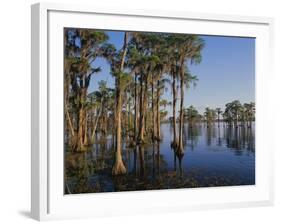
column 214, row 155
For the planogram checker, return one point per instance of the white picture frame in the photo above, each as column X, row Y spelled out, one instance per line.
column 48, row 201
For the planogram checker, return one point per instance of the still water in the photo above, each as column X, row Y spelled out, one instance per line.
column 218, row 155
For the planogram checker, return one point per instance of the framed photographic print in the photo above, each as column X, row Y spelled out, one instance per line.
column 148, row 111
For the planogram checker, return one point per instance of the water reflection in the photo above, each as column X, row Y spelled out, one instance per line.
column 217, row 155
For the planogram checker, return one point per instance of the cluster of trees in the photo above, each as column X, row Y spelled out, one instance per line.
column 130, row 112
column 234, row 114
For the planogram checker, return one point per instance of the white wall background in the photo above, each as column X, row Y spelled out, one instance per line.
column 15, row 110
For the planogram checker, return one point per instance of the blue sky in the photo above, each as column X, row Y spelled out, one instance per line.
column 226, row 72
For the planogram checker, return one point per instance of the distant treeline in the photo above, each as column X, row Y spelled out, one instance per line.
column 234, row 113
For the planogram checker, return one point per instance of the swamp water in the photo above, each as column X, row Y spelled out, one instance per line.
column 218, row 155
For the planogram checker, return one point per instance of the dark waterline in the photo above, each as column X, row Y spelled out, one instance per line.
column 213, row 156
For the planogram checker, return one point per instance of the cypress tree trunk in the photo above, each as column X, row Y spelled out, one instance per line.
column 175, row 141
column 86, row 134
column 153, row 113
column 81, row 124
column 143, row 106
column 158, row 111
column 127, row 121
column 95, row 125
column 136, row 111
column 141, row 117
column 118, row 167
column 81, row 130
column 69, row 122
column 180, row 146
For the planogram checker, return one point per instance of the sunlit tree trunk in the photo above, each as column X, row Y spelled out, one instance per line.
column 86, row 133
column 69, row 125
column 103, row 122
column 158, row 111
column 180, row 146
column 143, row 105
column 69, row 122
column 82, row 117
column 141, row 117
column 95, row 124
column 81, row 130
column 154, row 124
column 118, row 167
column 175, row 141
column 136, row 111
column 127, row 117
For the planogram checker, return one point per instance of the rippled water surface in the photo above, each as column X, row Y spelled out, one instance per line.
column 214, row 156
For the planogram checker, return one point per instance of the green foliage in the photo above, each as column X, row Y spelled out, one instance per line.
column 191, row 114
column 235, row 111
column 190, row 79
column 210, row 115
column 143, row 68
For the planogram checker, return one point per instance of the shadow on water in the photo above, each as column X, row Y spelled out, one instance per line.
column 217, row 155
